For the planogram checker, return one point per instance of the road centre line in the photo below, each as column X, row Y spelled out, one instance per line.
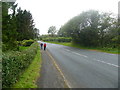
column 80, row 54
column 95, row 59
column 67, row 50
column 107, row 63
column 76, row 53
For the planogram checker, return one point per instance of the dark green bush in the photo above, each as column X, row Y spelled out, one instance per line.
column 9, row 46
column 4, row 47
column 14, row 63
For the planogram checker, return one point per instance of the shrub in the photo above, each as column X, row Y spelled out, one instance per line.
column 9, row 46
column 4, row 47
column 58, row 39
column 27, row 42
column 14, row 63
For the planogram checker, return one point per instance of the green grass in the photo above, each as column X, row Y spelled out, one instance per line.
column 21, row 48
column 107, row 50
column 29, row 77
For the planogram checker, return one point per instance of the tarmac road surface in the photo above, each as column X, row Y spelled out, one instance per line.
column 85, row 68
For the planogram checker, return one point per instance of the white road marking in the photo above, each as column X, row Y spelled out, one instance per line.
column 110, row 54
column 107, row 63
column 67, row 50
column 80, row 54
column 76, row 53
column 95, row 59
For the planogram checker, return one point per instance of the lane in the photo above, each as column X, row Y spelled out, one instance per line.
column 113, row 58
column 82, row 69
column 107, row 57
column 102, row 60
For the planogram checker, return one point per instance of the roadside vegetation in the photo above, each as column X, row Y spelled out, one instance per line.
column 29, row 77
column 17, row 26
column 20, row 50
column 88, row 30
column 15, row 63
column 105, row 49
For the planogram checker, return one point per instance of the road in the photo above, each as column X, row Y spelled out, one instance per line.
column 85, row 68
column 49, row 75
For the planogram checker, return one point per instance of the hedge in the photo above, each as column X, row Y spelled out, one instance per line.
column 14, row 64
column 27, row 42
column 59, row 39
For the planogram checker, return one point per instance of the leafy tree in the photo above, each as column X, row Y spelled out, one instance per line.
column 36, row 33
column 52, row 30
column 91, row 28
column 105, row 24
column 16, row 26
column 83, row 28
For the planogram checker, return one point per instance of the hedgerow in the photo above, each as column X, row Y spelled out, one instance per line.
column 27, row 42
column 14, row 64
column 58, row 39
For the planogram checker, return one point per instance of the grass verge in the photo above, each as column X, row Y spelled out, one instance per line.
column 21, row 48
column 107, row 50
column 29, row 77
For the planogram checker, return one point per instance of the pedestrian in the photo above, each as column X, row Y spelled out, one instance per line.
column 44, row 46
column 41, row 44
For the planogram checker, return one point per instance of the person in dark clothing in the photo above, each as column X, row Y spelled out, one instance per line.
column 41, row 44
column 44, row 46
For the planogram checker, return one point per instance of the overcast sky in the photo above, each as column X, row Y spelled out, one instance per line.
column 48, row 13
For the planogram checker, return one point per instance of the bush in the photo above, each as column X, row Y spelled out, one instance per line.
column 27, row 42
column 58, row 39
column 4, row 47
column 10, row 46
column 14, row 63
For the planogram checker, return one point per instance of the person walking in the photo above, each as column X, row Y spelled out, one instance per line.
column 41, row 44
column 44, row 46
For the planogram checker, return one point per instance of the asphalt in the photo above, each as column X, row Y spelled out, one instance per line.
column 50, row 77
column 85, row 68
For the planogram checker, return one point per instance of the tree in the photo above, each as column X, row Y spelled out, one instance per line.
column 25, row 25
column 16, row 26
column 9, row 32
column 52, row 30
column 83, row 28
column 107, row 29
column 92, row 28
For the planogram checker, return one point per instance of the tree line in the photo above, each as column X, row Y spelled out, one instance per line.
column 93, row 28
column 17, row 25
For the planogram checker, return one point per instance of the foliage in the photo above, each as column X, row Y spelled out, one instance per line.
column 9, row 32
column 25, row 25
column 104, row 49
column 27, row 42
column 14, row 63
column 28, row 78
column 16, row 26
column 58, row 39
column 52, row 30
column 21, row 48
column 92, row 28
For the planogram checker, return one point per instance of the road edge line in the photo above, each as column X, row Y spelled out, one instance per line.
column 61, row 73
